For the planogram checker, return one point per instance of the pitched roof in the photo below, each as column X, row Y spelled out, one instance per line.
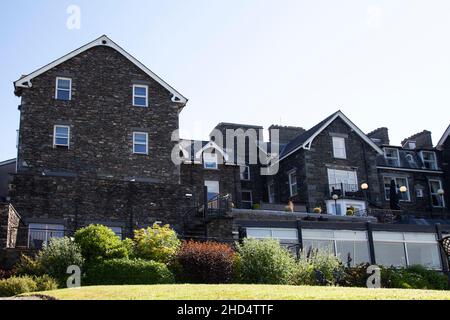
column 305, row 139
column 444, row 138
column 26, row 81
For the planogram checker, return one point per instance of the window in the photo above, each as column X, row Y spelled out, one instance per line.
column 61, row 136
column 284, row 235
column 410, row 159
column 339, row 148
column 63, row 89
column 342, row 179
column 245, row 173
column 292, row 183
column 271, row 192
column 140, row 142
column 437, row 200
column 392, row 157
column 40, row 234
column 140, row 95
column 341, row 206
column 406, row 249
column 210, row 160
column 399, row 182
column 419, row 193
column 117, row 231
column 247, row 201
column 429, row 160
column 349, row 246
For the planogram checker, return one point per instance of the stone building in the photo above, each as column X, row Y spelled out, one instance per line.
column 98, row 143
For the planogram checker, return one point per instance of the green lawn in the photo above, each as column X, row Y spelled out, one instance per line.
column 238, row 292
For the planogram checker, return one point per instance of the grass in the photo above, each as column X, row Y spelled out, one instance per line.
column 240, row 292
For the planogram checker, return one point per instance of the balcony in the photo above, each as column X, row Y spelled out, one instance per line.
column 345, row 190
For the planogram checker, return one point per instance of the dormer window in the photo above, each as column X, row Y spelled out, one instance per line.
column 392, row 157
column 210, row 161
column 429, row 160
column 140, row 95
column 339, row 148
column 63, row 89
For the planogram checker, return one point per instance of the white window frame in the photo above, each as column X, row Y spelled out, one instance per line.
column 140, row 96
column 140, row 143
column 243, row 168
column 210, row 158
column 436, row 194
column 251, row 197
column 339, row 148
column 63, row 89
column 408, row 191
column 54, row 136
column 292, row 183
column 397, row 158
column 348, row 187
column 434, row 162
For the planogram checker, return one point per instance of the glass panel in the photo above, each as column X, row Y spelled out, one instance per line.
column 140, row 148
column 412, row 236
column 390, row 254
column 317, row 234
column 382, row 235
column 62, row 141
column 259, row 233
column 62, row 131
column 140, row 138
column 323, row 245
column 425, row 254
column 287, row 234
column 63, row 84
column 138, row 101
column 246, row 196
column 63, row 95
column 140, row 91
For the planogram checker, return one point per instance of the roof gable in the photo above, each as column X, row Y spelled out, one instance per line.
column 26, row 81
column 304, row 140
column 443, row 139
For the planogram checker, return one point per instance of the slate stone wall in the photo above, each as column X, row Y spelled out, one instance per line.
column 102, row 120
column 76, row 202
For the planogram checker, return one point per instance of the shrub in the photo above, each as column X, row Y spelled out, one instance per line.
column 5, row 274
column 99, row 242
column 57, row 256
column 45, row 283
column 206, row 262
column 17, row 285
column 157, row 243
column 414, row 277
column 28, row 266
column 264, row 262
column 317, row 267
column 128, row 271
column 355, row 276
column 317, row 210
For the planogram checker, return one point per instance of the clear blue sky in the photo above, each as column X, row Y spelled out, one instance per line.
column 384, row 63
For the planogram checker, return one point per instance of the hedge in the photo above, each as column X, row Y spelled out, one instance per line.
column 128, row 271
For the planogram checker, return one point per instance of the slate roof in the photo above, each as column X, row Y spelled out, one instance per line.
column 303, row 137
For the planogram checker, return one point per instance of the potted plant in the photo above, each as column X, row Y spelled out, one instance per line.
column 317, row 210
column 350, row 211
